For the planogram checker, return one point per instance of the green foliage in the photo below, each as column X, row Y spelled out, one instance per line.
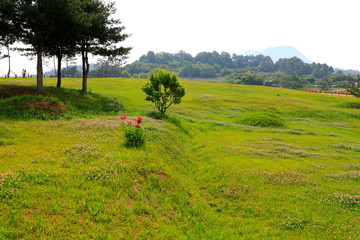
column 63, row 27
column 354, row 89
column 322, row 84
column 292, row 82
column 250, row 79
column 163, row 89
column 214, row 64
column 263, row 119
column 70, row 72
column 107, row 70
column 134, row 137
column 321, row 70
column 7, row 29
column 293, row 66
column 354, row 104
column 99, row 34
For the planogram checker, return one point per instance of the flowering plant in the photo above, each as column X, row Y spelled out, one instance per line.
column 134, row 135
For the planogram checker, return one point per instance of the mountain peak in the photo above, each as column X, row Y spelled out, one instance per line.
column 280, row 52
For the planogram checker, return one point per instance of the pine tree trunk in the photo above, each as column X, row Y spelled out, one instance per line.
column 39, row 68
column 85, row 68
column 59, row 58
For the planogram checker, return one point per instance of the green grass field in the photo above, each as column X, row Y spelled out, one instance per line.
column 229, row 162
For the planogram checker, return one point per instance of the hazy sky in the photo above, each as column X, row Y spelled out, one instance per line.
column 325, row 31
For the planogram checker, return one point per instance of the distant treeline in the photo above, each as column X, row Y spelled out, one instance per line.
column 214, row 65
column 251, row 70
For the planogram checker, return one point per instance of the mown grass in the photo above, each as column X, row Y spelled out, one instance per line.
column 203, row 173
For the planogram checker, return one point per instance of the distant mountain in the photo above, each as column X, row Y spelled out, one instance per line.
column 280, row 52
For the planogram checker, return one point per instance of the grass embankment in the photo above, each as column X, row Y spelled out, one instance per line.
column 205, row 173
column 55, row 103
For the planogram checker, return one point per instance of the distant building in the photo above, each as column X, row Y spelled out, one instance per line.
column 270, row 83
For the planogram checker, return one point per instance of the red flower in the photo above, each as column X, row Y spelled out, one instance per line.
column 137, row 126
column 129, row 122
column 138, row 120
column 122, row 117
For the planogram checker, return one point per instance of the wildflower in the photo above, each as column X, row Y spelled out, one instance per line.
column 129, row 122
column 122, row 117
column 137, row 126
column 138, row 120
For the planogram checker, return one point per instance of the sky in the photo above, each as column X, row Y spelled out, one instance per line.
column 325, row 31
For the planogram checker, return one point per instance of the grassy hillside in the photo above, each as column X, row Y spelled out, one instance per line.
column 230, row 162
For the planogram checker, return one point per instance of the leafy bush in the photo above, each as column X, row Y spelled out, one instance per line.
column 249, row 79
column 263, row 119
column 163, row 89
column 354, row 89
column 134, row 137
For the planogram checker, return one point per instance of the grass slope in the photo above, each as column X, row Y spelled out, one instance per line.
column 23, row 103
column 203, row 174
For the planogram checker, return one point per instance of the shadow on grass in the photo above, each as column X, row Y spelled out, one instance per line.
column 177, row 121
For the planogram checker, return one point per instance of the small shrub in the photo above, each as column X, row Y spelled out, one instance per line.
column 163, row 89
column 134, row 137
column 134, row 134
column 263, row 119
